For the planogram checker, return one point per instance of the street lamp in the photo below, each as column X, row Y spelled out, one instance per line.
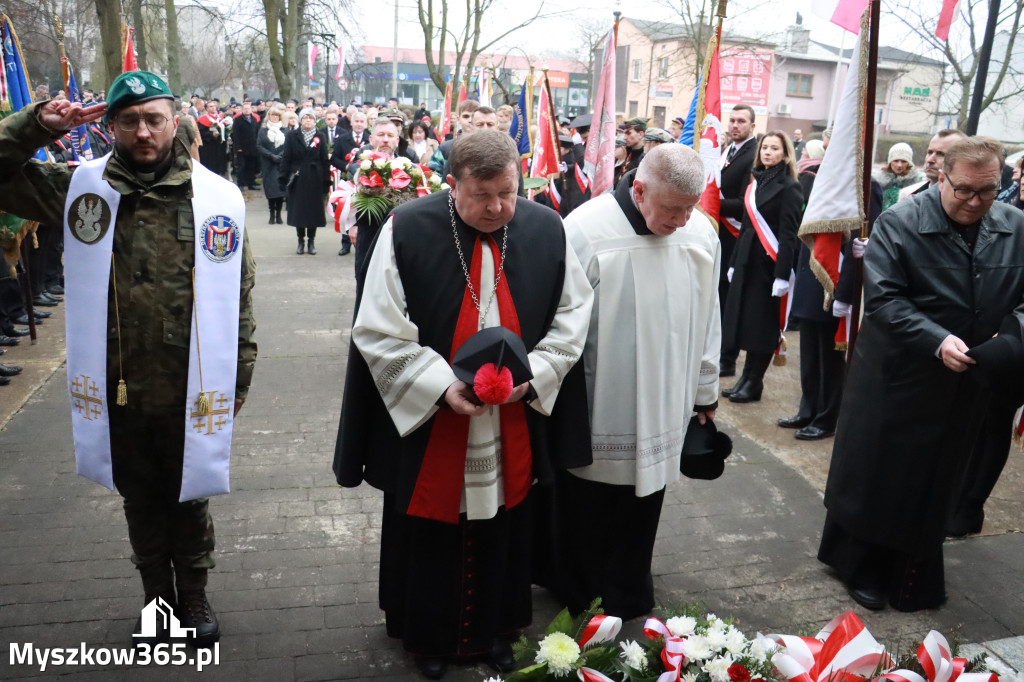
column 328, row 43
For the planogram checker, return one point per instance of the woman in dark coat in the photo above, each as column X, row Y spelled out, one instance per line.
column 271, row 146
column 759, row 279
column 306, row 176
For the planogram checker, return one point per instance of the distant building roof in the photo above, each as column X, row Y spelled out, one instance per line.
column 666, row 30
column 886, row 54
column 516, row 62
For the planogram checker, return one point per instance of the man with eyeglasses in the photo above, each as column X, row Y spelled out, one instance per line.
column 943, row 275
column 160, row 348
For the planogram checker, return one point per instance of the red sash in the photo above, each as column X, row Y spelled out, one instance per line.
column 771, row 245
column 438, row 490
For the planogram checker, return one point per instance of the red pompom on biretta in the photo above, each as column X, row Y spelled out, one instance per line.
column 492, row 385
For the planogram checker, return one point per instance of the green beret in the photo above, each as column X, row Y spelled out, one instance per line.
column 135, row 87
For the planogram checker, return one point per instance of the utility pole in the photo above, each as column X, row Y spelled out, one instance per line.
column 983, row 58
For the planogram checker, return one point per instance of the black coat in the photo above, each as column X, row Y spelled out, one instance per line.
column 751, row 312
column 270, row 165
column 735, row 178
column 244, row 136
column 308, row 194
column 343, row 145
column 908, row 422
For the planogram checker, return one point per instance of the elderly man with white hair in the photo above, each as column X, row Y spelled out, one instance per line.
column 651, row 361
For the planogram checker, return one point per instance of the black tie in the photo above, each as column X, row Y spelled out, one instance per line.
column 732, row 153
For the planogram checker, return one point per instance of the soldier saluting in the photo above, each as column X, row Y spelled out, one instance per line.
column 154, row 384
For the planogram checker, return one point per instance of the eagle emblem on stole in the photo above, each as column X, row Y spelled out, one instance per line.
column 89, row 218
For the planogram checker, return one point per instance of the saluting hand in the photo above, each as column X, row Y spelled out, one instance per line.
column 60, row 115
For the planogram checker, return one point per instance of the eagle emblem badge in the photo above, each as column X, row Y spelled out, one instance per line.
column 135, row 85
column 219, row 238
column 89, row 218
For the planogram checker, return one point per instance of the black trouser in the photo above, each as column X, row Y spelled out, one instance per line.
column 172, row 542
column 11, row 298
column 275, row 206
column 821, row 373
column 304, row 232
column 248, row 166
column 988, row 458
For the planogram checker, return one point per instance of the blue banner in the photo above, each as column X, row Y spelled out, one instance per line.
column 80, row 145
column 691, row 119
column 520, row 128
column 17, row 79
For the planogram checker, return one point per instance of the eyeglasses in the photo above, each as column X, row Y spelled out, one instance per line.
column 966, row 193
column 129, row 124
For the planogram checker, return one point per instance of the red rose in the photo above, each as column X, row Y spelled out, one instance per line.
column 737, row 673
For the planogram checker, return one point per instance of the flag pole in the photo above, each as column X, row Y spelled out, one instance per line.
column 529, row 109
column 869, row 135
column 65, row 68
column 713, row 43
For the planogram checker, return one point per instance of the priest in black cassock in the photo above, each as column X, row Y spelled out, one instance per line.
column 455, row 566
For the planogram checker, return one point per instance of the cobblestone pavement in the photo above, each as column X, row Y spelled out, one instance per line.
column 296, row 578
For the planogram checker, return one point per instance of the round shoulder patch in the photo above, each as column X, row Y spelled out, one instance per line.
column 220, row 238
column 89, row 218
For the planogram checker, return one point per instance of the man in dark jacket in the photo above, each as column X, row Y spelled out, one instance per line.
column 943, row 273
column 737, row 161
column 243, row 136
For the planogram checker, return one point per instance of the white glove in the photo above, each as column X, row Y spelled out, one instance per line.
column 564, row 167
column 858, row 247
column 780, row 287
column 840, row 309
column 728, row 275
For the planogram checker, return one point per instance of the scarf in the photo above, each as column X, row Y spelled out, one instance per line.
column 307, row 135
column 274, row 134
column 764, row 176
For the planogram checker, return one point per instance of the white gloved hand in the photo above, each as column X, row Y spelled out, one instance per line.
column 840, row 309
column 858, row 247
column 780, row 287
column 728, row 275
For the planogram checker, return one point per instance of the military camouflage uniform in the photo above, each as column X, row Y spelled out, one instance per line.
column 154, row 252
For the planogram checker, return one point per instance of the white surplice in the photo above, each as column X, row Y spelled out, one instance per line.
column 411, row 377
column 654, row 342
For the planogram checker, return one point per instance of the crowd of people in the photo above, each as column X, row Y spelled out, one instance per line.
column 573, row 304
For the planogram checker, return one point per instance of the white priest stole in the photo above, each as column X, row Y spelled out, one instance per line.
column 90, row 214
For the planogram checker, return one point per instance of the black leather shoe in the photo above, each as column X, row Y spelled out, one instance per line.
column 194, row 611
column 311, row 249
column 814, row 433
column 9, row 371
column 796, row 422
column 344, row 250
column 46, row 294
column 14, row 332
column 750, row 392
column 301, row 249
column 4, row 381
column 432, row 668
column 729, row 392
column 963, row 522
column 868, row 597
column 41, row 314
column 8, row 341
column 55, row 290
column 500, row 656
column 41, row 300
column 727, row 370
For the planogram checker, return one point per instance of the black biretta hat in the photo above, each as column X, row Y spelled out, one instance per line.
column 705, row 449
column 496, row 345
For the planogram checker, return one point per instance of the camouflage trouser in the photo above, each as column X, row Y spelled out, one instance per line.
column 170, row 540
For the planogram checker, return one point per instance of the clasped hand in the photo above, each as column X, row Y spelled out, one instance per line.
column 953, row 351
column 461, row 398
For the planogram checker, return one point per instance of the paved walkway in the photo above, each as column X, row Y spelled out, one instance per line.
column 296, row 580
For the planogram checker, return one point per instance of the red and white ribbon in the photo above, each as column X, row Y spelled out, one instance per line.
column 341, row 199
column 600, row 629
column 937, row 660
column 844, row 645
column 672, row 656
column 764, row 232
column 591, row 675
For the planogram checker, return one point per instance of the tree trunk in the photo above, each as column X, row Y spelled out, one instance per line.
column 140, row 34
column 109, row 14
column 173, row 48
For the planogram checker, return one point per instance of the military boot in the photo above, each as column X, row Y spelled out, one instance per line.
column 302, row 247
column 312, row 247
column 194, row 611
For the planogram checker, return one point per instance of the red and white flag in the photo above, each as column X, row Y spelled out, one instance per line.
column 445, row 126
column 711, row 131
column 462, row 92
column 950, row 8
column 836, row 205
column 340, row 73
column 546, row 150
column 311, row 51
column 844, row 13
column 129, row 62
column 599, row 157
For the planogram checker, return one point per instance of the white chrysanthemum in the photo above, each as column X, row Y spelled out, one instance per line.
column 717, row 638
column 696, row 648
column 560, row 652
column 689, row 677
column 761, row 648
column 380, row 163
column 633, row 654
column 444, row 186
column 366, row 165
column 435, row 179
column 494, row 679
column 716, row 624
column 681, row 626
column 735, row 642
column 403, row 162
column 718, row 668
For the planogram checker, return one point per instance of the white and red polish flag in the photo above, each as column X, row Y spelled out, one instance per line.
column 546, row 150
column 836, row 205
column 311, row 50
column 950, row 8
column 711, row 130
column 445, row 124
column 340, row 73
column 844, row 13
column 599, row 157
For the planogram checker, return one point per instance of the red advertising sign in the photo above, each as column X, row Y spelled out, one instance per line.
column 558, row 79
column 746, row 78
